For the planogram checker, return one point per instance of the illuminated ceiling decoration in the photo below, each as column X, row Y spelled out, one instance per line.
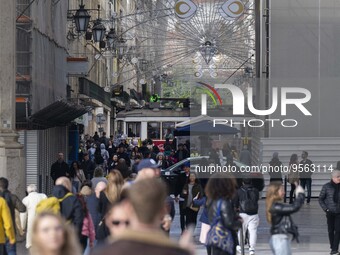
column 232, row 9
column 188, row 39
column 185, row 9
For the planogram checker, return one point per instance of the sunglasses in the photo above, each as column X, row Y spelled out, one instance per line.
column 120, row 222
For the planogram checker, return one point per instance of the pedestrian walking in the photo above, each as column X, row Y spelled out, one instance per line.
column 275, row 172
column 245, row 155
column 92, row 202
column 112, row 192
column 204, row 219
column 183, row 178
column 279, row 217
column 190, row 191
column 59, row 168
column 329, row 200
column 70, row 206
column 88, row 234
column 14, row 203
column 105, row 155
column 98, row 177
column 117, row 219
column 293, row 176
column 76, row 175
column 30, row 201
column 144, row 237
column 88, row 166
column 306, row 175
column 247, row 203
column 6, row 227
column 51, row 235
column 224, row 222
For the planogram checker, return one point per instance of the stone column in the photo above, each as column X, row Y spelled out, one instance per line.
column 11, row 152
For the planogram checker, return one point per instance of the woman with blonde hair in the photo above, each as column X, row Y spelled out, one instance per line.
column 52, row 236
column 279, row 216
column 112, row 192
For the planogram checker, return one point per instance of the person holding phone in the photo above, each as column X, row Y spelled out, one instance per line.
column 190, row 191
column 283, row 229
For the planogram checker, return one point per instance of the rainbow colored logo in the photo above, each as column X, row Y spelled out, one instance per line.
column 211, row 91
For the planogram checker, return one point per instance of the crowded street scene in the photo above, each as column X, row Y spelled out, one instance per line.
column 175, row 127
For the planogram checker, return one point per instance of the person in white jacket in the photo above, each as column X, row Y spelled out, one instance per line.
column 30, row 201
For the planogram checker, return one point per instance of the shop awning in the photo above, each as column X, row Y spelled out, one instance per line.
column 59, row 113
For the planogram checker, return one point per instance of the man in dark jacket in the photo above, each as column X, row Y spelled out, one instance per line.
column 70, row 207
column 275, row 168
column 88, row 166
column 329, row 200
column 104, row 140
column 122, row 154
column 145, row 207
column 306, row 176
column 13, row 203
column 59, row 168
column 183, row 178
column 181, row 153
column 247, row 202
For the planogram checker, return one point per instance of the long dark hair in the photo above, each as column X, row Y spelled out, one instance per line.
column 293, row 159
column 197, row 181
column 72, row 169
column 221, row 185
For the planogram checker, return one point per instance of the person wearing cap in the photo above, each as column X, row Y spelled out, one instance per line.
column 148, row 168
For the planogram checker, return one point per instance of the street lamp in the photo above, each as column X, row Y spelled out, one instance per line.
column 82, row 19
column 98, row 31
column 121, row 47
column 111, row 38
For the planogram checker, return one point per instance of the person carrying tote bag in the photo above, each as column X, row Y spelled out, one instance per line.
column 224, row 221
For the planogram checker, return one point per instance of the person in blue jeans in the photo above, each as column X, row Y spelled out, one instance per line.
column 279, row 217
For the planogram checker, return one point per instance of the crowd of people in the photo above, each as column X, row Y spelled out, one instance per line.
column 113, row 201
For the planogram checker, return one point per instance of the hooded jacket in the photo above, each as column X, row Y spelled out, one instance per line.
column 70, row 207
column 104, row 152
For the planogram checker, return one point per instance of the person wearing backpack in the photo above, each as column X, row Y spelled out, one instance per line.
column 70, row 206
column 247, row 203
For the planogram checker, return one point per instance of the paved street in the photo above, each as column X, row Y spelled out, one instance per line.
column 312, row 228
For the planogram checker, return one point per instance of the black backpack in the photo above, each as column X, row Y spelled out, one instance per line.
column 250, row 203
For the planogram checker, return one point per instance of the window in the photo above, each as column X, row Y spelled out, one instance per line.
column 168, row 130
column 120, row 125
column 133, row 129
column 154, row 129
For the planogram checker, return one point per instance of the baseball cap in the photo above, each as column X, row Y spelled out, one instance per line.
column 186, row 164
column 147, row 163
